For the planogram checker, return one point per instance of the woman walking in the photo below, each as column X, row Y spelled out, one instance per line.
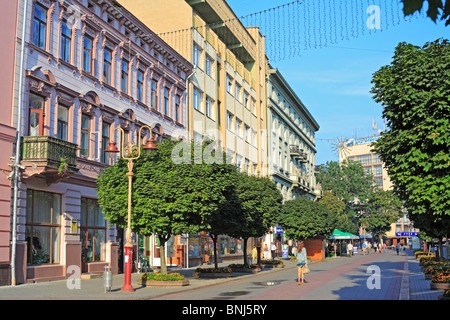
column 302, row 262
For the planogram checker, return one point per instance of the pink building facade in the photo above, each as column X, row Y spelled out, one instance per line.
column 90, row 67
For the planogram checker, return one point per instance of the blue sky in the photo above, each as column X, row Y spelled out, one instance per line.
column 333, row 81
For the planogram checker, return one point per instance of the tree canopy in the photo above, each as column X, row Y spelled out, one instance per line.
column 414, row 90
column 437, row 9
column 168, row 198
column 305, row 219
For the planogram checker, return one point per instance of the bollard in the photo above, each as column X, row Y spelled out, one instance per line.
column 107, row 279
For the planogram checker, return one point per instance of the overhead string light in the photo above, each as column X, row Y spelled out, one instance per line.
column 302, row 25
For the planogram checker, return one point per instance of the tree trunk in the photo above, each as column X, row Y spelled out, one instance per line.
column 214, row 239
column 245, row 251
column 162, row 253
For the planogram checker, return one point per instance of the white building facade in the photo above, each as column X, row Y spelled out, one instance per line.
column 89, row 68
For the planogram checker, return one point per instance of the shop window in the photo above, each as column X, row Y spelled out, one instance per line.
column 43, row 227
column 93, row 231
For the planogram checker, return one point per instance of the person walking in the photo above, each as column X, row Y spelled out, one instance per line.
column 302, row 262
column 273, row 249
column 254, row 255
column 364, row 247
column 384, row 247
column 349, row 249
column 266, row 252
column 397, row 247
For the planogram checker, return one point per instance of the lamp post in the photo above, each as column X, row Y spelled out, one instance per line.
column 130, row 152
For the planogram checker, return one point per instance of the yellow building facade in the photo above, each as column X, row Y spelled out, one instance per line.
column 227, row 101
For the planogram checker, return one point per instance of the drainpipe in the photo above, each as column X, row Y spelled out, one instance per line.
column 187, row 125
column 16, row 165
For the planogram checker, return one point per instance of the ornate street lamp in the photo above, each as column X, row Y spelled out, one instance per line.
column 130, row 153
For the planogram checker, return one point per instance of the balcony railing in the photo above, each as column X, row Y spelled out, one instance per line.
column 50, row 152
column 298, row 153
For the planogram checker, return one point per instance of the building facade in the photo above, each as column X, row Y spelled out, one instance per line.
column 89, row 68
column 360, row 150
column 291, row 140
column 8, row 25
column 227, row 91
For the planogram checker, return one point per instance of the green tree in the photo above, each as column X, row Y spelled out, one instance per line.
column 415, row 92
column 260, row 204
column 337, row 207
column 437, row 9
column 349, row 182
column 304, row 219
column 168, row 198
column 384, row 208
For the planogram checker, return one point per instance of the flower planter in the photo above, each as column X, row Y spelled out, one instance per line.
column 439, row 286
column 443, row 298
column 212, row 275
column 156, row 283
column 272, row 266
column 246, row 270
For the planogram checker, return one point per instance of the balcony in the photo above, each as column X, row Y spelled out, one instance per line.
column 48, row 156
column 298, row 153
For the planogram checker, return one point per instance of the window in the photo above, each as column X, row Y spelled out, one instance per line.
column 39, row 25
column 209, row 108
column 154, row 94
column 87, row 54
column 197, row 100
column 124, row 77
column 377, row 170
column 246, row 100
column 253, row 106
column 230, row 121
column 177, row 108
column 376, row 158
column 105, row 141
column 85, row 131
column 43, row 227
column 66, row 37
column 107, row 66
column 238, row 127
column 166, row 101
column 196, row 55
column 209, row 66
column 140, row 85
column 63, row 113
column 36, row 120
column 239, row 162
column 237, row 92
column 379, row 181
column 93, row 231
column 229, row 85
column 364, row 159
column 247, row 136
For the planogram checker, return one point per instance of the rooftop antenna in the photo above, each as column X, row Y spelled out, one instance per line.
column 374, row 127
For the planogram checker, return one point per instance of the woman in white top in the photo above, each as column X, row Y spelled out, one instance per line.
column 302, row 262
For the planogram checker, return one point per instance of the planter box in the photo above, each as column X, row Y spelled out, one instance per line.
column 443, row 298
column 179, row 283
column 439, row 286
column 212, row 275
column 246, row 270
column 428, row 276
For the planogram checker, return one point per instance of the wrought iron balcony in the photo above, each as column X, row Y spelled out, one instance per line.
column 49, row 155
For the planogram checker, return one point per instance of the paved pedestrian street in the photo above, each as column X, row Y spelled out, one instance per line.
column 377, row 276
